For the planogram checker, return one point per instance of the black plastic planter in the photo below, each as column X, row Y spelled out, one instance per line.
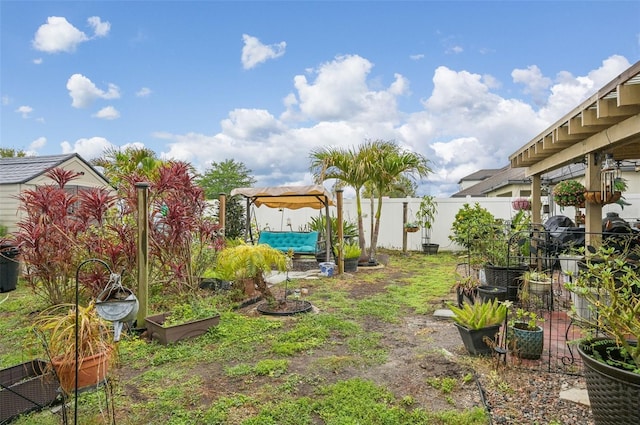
column 474, row 340
column 9, row 267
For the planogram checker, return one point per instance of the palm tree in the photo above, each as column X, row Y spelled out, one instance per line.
column 121, row 162
column 386, row 164
column 342, row 165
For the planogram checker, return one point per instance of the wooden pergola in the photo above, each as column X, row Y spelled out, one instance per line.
column 607, row 123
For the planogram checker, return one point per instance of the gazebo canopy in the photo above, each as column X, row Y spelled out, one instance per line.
column 290, row 197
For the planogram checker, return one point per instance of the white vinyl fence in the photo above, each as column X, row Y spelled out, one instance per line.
column 391, row 226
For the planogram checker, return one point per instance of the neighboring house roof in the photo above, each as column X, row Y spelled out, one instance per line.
column 508, row 176
column 19, row 170
column 503, row 177
column 480, row 175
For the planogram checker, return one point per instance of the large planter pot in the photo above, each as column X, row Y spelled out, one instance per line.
column 430, row 248
column 540, row 287
column 509, row 277
column 170, row 334
column 524, row 343
column 9, row 267
column 350, row 265
column 26, row 387
column 569, row 263
column 613, row 393
column 91, row 371
column 474, row 339
column 584, row 309
column 489, row 293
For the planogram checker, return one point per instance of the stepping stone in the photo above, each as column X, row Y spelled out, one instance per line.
column 443, row 313
column 577, row 395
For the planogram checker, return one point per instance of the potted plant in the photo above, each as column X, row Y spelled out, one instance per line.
column 467, row 283
column 489, row 293
column 351, row 254
column 537, row 282
column 503, row 264
column 186, row 320
column 569, row 193
column 569, row 260
column 525, row 335
column 246, row 265
column 94, row 347
column 478, row 321
column 411, row 226
column 521, row 204
column 426, row 215
column 612, row 362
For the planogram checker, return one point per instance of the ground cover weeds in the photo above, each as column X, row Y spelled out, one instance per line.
column 262, row 370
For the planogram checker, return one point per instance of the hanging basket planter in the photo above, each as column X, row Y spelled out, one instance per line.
column 595, row 197
column 569, row 193
column 521, row 204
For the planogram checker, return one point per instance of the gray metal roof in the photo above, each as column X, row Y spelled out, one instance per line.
column 22, row 169
column 503, row 177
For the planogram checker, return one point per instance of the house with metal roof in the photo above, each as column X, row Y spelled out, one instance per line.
column 20, row 173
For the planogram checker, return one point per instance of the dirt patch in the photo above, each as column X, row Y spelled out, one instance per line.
column 426, row 367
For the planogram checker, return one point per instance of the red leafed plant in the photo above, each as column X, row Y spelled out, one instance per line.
column 60, row 229
column 182, row 238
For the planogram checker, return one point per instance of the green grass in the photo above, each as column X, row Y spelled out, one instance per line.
column 278, row 370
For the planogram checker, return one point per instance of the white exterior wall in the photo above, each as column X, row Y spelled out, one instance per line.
column 391, row 230
column 9, row 214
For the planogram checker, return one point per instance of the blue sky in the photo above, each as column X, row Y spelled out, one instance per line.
column 463, row 83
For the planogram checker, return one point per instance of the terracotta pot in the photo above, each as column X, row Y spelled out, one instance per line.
column 92, row 370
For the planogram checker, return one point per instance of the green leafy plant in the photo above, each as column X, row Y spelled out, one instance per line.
column 540, row 276
column 427, row 211
column 411, row 225
column 472, row 226
column 351, row 250
column 243, row 261
column 480, row 314
column 195, row 309
column 612, row 286
column 523, row 319
column 568, row 193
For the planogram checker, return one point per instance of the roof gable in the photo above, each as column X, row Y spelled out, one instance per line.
column 18, row 170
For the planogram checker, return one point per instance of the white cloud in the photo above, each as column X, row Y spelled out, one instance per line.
column 37, row 61
column 416, row 57
column 100, row 29
column 37, row 144
column 569, row 91
column 144, row 92
column 255, row 53
column 87, row 148
column 535, row 83
column 340, row 91
column 25, row 111
column 58, row 35
column 464, row 124
column 6, row 100
column 84, row 92
column 107, row 113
